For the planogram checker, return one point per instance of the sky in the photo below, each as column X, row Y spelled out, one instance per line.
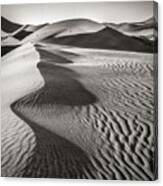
column 98, row 11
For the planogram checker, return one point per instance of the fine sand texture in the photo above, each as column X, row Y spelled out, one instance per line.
column 70, row 112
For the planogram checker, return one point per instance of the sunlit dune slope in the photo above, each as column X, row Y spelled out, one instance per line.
column 107, row 38
column 68, row 27
column 19, row 76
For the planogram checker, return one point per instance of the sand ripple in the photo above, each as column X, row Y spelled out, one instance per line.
column 108, row 134
column 18, row 140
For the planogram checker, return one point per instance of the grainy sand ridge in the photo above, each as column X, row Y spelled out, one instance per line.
column 78, row 100
column 79, row 121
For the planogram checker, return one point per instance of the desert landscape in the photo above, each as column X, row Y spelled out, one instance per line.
column 78, row 101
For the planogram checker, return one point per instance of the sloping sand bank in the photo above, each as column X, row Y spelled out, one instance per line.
column 19, row 76
column 86, row 121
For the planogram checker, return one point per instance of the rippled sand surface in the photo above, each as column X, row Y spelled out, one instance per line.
column 78, row 113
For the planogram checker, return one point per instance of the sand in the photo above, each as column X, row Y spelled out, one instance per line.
column 64, row 28
column 19, row 76
column 144, row 28
column 77, row 113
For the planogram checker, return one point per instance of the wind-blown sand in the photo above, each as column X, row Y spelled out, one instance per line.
column 81, row 114
column 19, row 76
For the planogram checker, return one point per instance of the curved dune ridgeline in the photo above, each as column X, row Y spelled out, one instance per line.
column 24, row 140
column 63, row 28
column 77, row 113
column 19, row 76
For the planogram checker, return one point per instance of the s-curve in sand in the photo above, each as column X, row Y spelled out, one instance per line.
column 77, row 120
column 79, row 91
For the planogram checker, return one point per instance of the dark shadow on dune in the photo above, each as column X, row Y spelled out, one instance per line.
column 61, row 88
column 22, row 34
column 106, row 38
column 54, row 156
column 68, row 54
column 60, row 53
column 44, row 46
column 7, row 49
column 9, row 26
column 47, row 56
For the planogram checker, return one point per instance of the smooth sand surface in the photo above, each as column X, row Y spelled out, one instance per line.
column 63, row 119
column 63, row 28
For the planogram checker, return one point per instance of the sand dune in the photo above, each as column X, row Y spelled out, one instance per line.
column 144, row 28
column 8, row 48
column 68, row 27
column 12, row 33
column 71, row 108
column 17, row 138
column 77, row 121
column 22, row 34
column 106, row 38
column 3, row 34
column 79, row 26
column 9, row 41
column 9, row 26
column 84, row 33
column 18, row 144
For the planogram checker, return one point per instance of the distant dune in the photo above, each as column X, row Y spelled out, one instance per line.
column 86, row 33
column 3, row 34
column 9, row 41
column 145, row 28
column 22, row 34
column 9, row 26
column 68, row 27
column 7, row 48
column 107, row 38
column 77, row 102
column 8, row 44
column 33, row 28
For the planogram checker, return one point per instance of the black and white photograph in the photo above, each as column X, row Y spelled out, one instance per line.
column 79, row 90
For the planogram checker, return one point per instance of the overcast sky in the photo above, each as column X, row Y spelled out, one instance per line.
column 101, row 12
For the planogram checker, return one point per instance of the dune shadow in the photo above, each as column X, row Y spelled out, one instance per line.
column 47, row 56
column 61, row 87
column 55, row 156
column 22, row 34
column 8, row 48
column 106, row 38
column 68, row 54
